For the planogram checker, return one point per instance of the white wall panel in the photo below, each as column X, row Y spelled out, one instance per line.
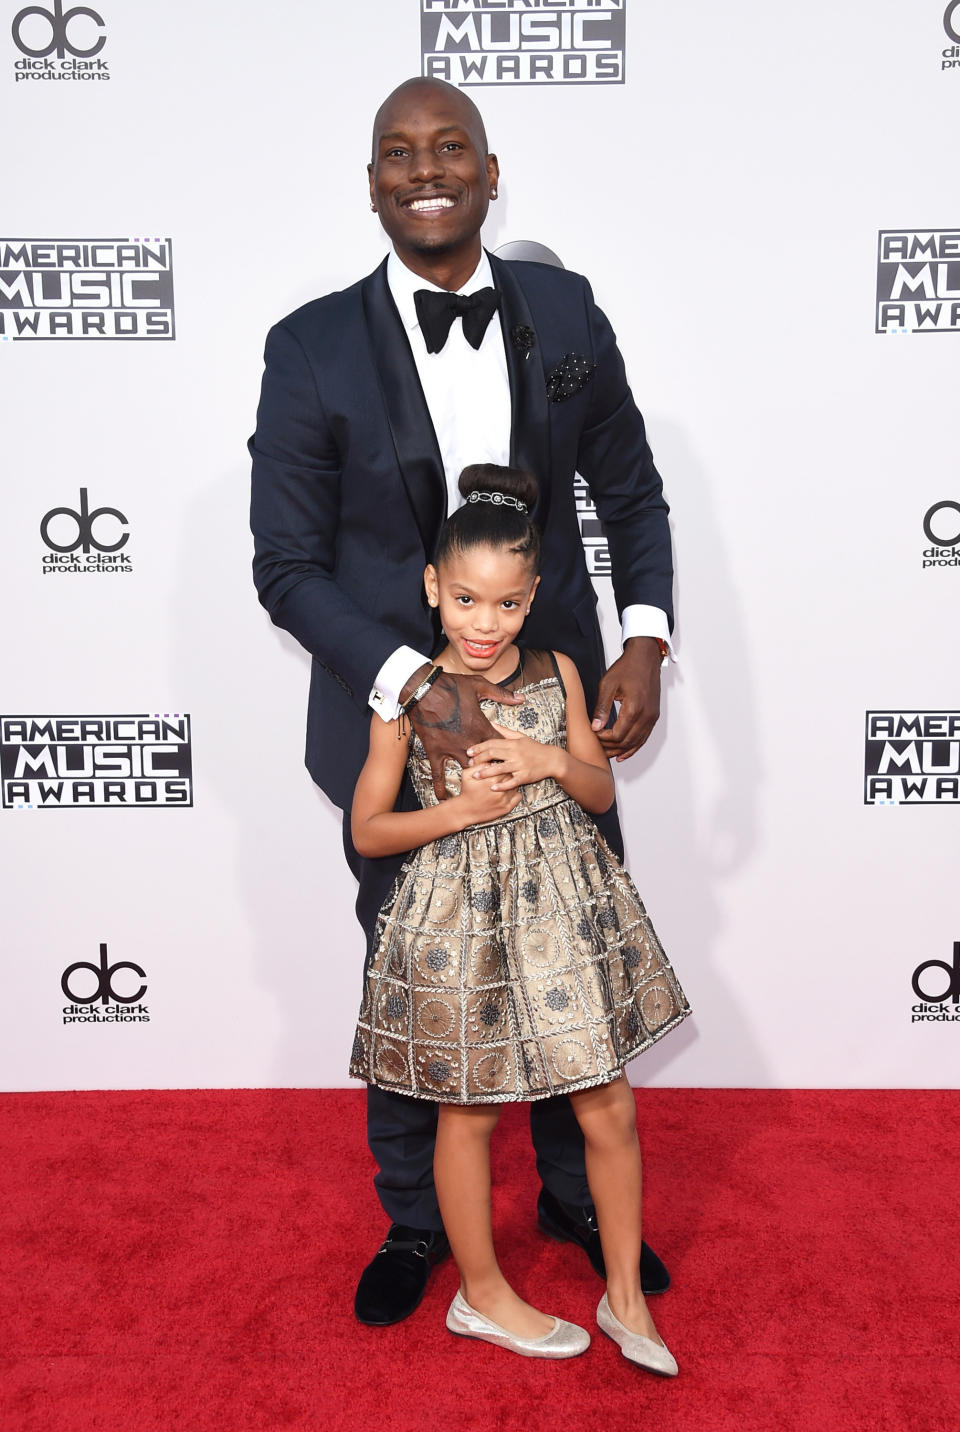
column 726, row 202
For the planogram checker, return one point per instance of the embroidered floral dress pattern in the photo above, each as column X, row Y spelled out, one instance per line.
column 513, row 960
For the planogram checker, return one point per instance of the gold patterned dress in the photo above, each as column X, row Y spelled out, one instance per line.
column 513, row 960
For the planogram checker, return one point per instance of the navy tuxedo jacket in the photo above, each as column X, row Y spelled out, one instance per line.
column 349, row 492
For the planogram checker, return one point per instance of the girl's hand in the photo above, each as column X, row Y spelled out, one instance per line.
column 478, row 802
column 513, row 760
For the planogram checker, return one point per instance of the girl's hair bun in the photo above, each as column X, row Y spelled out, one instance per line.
column 511, row 481
column 494, row 523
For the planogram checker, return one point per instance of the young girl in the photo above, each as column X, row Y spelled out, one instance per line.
column 513, row 958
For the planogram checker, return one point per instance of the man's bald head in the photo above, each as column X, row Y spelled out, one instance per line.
column 421, row 88
column 431, row 179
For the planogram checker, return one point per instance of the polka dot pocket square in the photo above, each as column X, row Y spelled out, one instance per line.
column 569, row 377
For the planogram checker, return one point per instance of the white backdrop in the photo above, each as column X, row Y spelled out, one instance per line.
column 726, row 202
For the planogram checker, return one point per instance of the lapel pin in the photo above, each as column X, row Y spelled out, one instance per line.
column 523, row 339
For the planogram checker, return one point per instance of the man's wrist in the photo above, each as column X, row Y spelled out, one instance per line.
column 657, row 641
column 640, row 619
column 416, row 680
column 407, row 706
column 394, row 674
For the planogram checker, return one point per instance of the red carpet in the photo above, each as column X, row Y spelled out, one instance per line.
column 187, row 1261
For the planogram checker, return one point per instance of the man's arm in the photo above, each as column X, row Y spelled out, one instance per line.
column 615, row 458
column 295, row 515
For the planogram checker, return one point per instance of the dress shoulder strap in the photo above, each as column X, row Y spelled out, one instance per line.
column 556, row 671
column 540, row 665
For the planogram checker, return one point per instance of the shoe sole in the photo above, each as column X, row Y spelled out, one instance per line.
column 389, row 1322
column 518, row 1351
column 558, row 1236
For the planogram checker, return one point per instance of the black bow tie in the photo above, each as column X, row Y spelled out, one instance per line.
column 436, row 312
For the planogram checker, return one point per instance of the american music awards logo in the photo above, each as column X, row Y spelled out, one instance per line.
column 86, row 288
column 87, row 762
column 918, row 281
column 592, row 535
column 57, row 44
column 523, row 42
column 912, row 758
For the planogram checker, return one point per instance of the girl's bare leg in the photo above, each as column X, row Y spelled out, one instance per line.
column 461, row 1173
column 608, row 1117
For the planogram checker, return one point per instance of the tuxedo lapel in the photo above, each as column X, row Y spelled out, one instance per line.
column 414, row 438
column 530, row 427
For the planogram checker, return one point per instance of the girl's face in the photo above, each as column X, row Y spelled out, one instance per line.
column 483, row 595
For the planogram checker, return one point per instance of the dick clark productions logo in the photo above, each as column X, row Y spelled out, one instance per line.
column 79, row 540
column 58, row 44
column 120, row 1002
column 941, row 527
column 950, row 57
column 933, row 999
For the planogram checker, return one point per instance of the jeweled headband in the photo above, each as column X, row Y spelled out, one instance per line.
column 499, row 499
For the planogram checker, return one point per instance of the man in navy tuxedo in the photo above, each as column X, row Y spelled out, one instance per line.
column 369, row 410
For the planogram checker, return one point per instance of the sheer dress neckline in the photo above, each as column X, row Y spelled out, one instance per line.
column 533, row 666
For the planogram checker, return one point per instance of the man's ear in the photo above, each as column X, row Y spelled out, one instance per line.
column 431, row 583
column 493, row 171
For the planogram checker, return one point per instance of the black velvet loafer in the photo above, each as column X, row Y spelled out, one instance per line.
column 579, row 1225
column 393, row 1283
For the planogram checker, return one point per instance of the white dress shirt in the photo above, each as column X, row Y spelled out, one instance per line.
column 471, row 431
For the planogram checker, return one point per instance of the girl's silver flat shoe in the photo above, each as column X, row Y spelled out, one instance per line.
column 643, row 1351
column 566, row 1339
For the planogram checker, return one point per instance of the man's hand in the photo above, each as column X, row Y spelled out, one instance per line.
column 448, row 719
column 634, row 681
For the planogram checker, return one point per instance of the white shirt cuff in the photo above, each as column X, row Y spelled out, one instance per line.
column 642, row 620
column 392, row 677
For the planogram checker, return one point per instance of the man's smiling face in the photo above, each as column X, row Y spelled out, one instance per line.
column 431, row 177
